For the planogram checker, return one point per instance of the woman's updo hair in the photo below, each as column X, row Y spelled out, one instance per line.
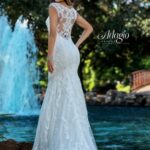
column 68, row 2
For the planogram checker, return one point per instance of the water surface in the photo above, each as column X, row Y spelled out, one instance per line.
column 114, row 128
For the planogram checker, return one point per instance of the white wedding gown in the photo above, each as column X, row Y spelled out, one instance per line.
column 63, row 122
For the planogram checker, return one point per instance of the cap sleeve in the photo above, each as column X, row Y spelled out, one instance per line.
column 56, row 7
column 76, row 14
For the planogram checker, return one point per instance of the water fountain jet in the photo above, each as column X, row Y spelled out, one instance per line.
column 18, row 70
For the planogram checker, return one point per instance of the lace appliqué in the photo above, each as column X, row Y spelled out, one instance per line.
column 66, row 19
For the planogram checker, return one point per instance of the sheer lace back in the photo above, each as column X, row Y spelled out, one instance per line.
column 66, row 19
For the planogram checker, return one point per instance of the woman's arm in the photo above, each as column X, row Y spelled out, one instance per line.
column 88, row 29
column 52, row 36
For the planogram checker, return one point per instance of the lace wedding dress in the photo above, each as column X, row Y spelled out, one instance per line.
column 63, row 122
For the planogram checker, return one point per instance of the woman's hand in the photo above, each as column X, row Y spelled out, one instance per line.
column 50, row 64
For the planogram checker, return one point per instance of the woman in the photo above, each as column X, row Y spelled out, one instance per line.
column 63, row 122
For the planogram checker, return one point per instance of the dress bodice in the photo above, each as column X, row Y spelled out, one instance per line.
column 66, row 19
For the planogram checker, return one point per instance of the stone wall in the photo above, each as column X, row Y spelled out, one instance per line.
column 113, row 97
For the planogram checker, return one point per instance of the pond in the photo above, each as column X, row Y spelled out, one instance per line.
column 114, row 128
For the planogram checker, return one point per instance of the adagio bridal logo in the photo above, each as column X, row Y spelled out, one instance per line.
column 113, row 37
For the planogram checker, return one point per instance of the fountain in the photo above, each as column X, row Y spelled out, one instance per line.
column 18, row 70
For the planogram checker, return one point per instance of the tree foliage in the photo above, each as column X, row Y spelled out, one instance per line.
column 102, row 64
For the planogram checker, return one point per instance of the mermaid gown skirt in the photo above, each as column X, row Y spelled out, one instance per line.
column 63, row 122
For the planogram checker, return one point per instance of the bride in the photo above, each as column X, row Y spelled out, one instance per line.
column 63, row 122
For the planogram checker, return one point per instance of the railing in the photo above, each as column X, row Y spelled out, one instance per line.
column 139, row 79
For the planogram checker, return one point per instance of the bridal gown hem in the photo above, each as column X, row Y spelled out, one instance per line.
column 63, row 122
